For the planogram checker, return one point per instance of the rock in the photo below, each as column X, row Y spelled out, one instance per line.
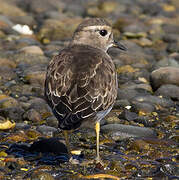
column 5, row 22
column 46, row 130
column 128, row 115
column 101, row 9
column 32, row 50
column 144, row 107
column 58, row 30
column 12, row 113
column 171, row 62
column 8, row 102
column 144, row 42
column 27, row 41
column 7, row 63
column 32, row 115
column 121, row 103
column 37, row 7
column 41, row 175
column 129, row 93
column 10, row 9
column 52, row 121
column 139, row 145
column 36, row 78
column 170, row 38
column 7, row 73
column 169, row 91
column 141, row 86
column 22, row 126
column 24, row 20
column 154, row 100
column 40, row 106
column 120, row 131
column 166, row 75
column 170, row 28
column 24, row 59
column 173, row 47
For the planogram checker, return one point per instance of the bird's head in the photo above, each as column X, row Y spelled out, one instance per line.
column 96, row 32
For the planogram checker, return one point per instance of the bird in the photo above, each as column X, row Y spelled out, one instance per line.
column 81, row 81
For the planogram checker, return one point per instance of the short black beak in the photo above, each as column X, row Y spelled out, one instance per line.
column 119, row 45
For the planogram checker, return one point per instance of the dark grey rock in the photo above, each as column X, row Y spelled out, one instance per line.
column 22, row 126
column 6, row 20
column 166, row 62
column 46, row 130
column 120, row 131
column 129, row 93
column 32, row 115
column 39, row 105
column 144, row 106
column 172, row 47
column 36, row 6
column 13, row 113
column 121, row 103
column 52, row 121
column 128, row 115
column 24, row 20
column 27, row 41
column 168, row 90
column 154, row 100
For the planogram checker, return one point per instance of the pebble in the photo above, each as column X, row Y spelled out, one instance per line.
column 52, row 121
column 22, row 126
column 36, row 78
column 53, row 29
column 120, row 131
column 164, row 102
column 8, row 102
column 146, row 107
column 13, row 113
column 32, row 115
column 165, row 75
column 147, row 95
column 168, row 90
column 6, row 9
column 46, row 130
column 40, row 106
column 32, row 50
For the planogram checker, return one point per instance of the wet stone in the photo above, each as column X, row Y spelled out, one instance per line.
column 32, row 50
column 13, row 113
column 166, row 62
column 168, row 90
column 39, row 105
column 143, row 106
column 46, row 130
column 8, row 102
column 20, row 126
column 52, row 121
column 32, row 115
column 166, row 75
column 154, row 100
column 120, row 131
column 147, row 99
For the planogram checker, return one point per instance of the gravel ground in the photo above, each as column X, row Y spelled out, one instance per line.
column 139, row 138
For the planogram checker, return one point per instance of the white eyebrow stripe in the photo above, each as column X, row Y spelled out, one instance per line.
column 96, row 27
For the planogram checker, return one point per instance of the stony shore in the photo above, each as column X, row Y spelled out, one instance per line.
column 139, row 137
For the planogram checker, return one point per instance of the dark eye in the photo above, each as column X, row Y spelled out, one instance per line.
column 103, row 32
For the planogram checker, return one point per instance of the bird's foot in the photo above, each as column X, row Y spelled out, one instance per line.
column 99, row 163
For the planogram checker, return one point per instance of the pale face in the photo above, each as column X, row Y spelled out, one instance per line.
column 96, row 36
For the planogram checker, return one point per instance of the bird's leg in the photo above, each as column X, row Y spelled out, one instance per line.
column 97, row 127
column 67, row 141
